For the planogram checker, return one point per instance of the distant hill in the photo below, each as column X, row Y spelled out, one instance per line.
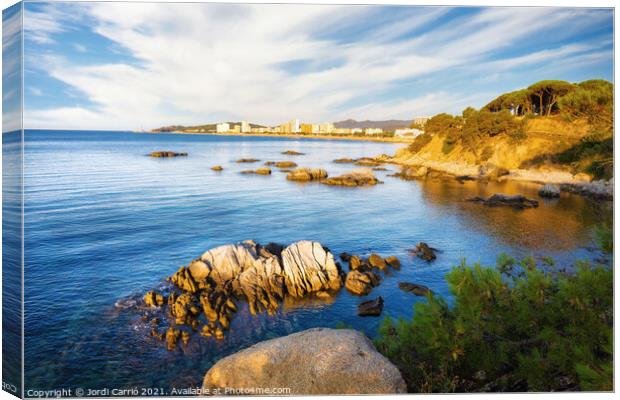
column 388, row 125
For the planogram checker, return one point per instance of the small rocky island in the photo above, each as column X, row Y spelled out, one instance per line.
column 166, row 154
column 203, row 296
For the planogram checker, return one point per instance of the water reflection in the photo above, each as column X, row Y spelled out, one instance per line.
column 556, row 225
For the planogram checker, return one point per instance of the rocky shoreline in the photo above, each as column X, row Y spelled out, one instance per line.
column 414, row 168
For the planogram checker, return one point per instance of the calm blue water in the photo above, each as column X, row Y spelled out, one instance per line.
column 103, row 222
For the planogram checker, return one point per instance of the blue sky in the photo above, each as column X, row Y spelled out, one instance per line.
column 143, row 65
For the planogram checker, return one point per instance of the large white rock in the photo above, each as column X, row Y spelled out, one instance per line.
column 315, row 361
column 308, row 268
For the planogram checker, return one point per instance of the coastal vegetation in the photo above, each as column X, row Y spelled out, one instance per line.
column 522, row 326
column 575, row 122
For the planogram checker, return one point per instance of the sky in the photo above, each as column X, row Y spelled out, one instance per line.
column 136, row 66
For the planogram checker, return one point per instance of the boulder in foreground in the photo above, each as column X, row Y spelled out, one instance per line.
column 164, row 154
column 315, row 361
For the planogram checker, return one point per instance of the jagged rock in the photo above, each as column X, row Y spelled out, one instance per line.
column 164, row 154
column 370, row 307
column 307, row 174
column 424, row 251
column 292, row 153
column 315, row 361
column 418, row 290
column 360, row 177
column 376, row 261
column 185, row 336
column 308, row 267
column 360, row 283
column 217, row 168
column 549, row 191
column 247, row 160
column 184, row 309
column 355, row 263
column 183, row 280
column 153, row 299
column 172, row 337
column 393, row 262
column 515, row 201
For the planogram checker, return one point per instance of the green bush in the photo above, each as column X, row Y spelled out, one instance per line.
column 517, row 327
column 419, row 142
column 593, row 154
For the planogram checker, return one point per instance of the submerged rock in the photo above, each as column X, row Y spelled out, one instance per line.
column 164, row 154
column 549, row 191
column 247, row 160
column 361, row 177
column 418, row 290
column 217, row 168
column 292, row 153
column 370, row 308
column 344, row 160
column 307, row 174
column 515, row 201
column 153, row 299
column 424, row 251
column 315, row 361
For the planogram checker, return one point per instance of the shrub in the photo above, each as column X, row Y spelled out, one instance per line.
column 514, row 328
column 419, row 142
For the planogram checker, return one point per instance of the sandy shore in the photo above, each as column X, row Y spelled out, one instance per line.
column 293, row 136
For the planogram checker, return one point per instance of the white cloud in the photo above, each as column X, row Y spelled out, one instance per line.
column 209, row 62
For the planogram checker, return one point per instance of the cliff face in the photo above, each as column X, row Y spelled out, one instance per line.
column 534, row 153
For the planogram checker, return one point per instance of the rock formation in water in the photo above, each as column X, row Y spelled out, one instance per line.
column 203, row 294
column 217, row 168
column 549, row 190
column 259, row 171
column 307, row 174
column 424, row 251
column 416, row 289
column 247, row 160
column 292, row 153
column 515, row 201
column 165, row 154
column 370, row 308
column 315, row 361
column 281, row 164
column 360, row 177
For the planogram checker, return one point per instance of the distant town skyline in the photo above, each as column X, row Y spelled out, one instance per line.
column 132, row 65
